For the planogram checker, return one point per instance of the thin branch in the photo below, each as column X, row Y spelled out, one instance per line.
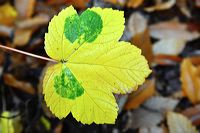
column 26, row 53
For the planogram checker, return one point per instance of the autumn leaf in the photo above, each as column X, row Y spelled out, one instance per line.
column 10, row 125
column 143, row 41
column 92, row 64
column 134, row 3
column 8, row 14
column 190, row 81
column 179, row 124
column 161, row 6
column 143, row 93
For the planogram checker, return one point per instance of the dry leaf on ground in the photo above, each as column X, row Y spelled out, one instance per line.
column 25, row 8
column 5, row 31
column 161, row 6
column 193, row 113
column 161, row 104
column 78, row 3
column 172, row 30
column 143, row 93
column 190, row 81
column 169, row 46
column 137, row 23
column 179, row 124
column 144, row 118
column 182, row 4
column 163, row 59
column 10, row 80
column 22, row 36
column 153, row 129
column 134, row 3
column 143, row 41
column 36, row 21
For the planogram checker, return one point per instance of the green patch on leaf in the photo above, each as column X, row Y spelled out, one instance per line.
column 85, row 28
column 66, row 85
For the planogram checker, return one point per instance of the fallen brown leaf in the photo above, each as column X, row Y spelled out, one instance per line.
column 144, row 118
column 22, row 36
column 137, row 23
column 153, row 129
column 182, row 4
column 190, row 81
column 161, row 6
column 163, row 59
column 195, row 60
column 5, row 31
column 179, row 124
column 134, row 3
column 172, row 30
column 116, row 2
column 25, row 8
column 33, row 22
column 193, row 113
column 143, row 93
column 10, row 80
column 143, row 41
column 160, row 104
column 169, row 46
column 82, row 4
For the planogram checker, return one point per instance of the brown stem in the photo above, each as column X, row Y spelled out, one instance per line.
column 26, row 53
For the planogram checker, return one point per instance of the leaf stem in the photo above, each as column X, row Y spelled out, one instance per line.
column 27, row 53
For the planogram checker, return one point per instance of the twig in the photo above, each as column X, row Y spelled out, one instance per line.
column 26, row 53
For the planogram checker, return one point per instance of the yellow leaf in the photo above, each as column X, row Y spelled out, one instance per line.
column 118, row 66
column 8, row 14
column 9, row 125
column 190, row 81
column 179, row 124
column 93, row 64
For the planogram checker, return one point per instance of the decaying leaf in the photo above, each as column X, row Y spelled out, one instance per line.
column 22, row 36
column 25, row 8
column 169, row 46
column 193, row 113
column 128, row 3
column 78, row 3
column 197, row 2
column 195, row 60
column 179, row 124
column 137, row 23
column 182, row 4
column 117, row 2
column 144, row 92
column 161, row 6
column 153, row 129
column 5, row 31
column 21, row 85
column 10, row 125
column 161, row 104
column 142, row 40
column 164, row 59
column 7, row 14
column 36, row 21
column 144, row 118
column 190, row 81
column 172, row 30
column 134, row 3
